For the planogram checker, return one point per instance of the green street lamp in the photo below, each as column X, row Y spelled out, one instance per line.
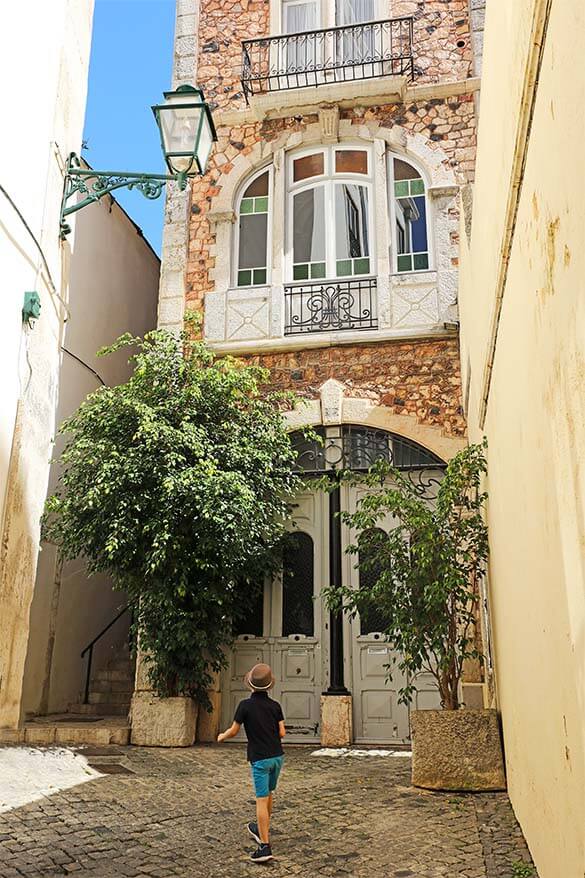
column 187, row 133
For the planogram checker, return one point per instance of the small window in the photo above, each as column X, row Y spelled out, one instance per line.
column 351, row 161
column 308, row 166
column 253, row 232
column 410, row 211
column 297, row 586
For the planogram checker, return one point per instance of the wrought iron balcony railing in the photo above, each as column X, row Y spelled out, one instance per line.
column 330, row 306
column 336, row 54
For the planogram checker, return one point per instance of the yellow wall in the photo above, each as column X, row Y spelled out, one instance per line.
column 535, row 414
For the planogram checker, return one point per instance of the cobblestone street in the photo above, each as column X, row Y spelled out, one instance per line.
column 167, row 813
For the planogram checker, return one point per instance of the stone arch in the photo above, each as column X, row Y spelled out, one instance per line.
column 432, row 158
column 334, row 407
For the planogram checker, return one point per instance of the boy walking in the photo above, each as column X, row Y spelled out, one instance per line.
column 263, row 722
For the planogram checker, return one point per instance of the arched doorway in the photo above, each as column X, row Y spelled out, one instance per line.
column 313, row 652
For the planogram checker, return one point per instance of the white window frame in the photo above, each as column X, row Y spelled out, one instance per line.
column 329, row 179
column 393, row 219
column 236, row 246
column 326, row 14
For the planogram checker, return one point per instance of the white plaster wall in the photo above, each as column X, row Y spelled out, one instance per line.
column 44, row 57
column 113, row 289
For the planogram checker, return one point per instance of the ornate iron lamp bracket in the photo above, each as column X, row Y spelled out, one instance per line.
column 83, row 186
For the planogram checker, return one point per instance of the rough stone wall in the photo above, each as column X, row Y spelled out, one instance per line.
column 417, row 378
column 442, row 42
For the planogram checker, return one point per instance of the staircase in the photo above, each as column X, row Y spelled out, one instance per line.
column 111, row 687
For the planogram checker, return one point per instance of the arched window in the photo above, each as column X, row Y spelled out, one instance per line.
column 297, row 586
column 330, row 213
column 409, row 217
column 253, row 231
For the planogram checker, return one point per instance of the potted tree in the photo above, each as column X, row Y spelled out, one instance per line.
column 175, row 483
column 428, row 568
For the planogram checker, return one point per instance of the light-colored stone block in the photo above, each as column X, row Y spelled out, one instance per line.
column 457, row 750
column 11, row 736
column 336, row 720
column 208, row 724
column 40, row 735
column 87, row 735
column 162, row 722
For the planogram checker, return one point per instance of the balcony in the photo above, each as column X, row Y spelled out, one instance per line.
column 330, row 306
column 328, row 57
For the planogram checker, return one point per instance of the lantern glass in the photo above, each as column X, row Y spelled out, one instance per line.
column 186, row 129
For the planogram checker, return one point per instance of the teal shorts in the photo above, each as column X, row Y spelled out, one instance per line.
column 265, row 775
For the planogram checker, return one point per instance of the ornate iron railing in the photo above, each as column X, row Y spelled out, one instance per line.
column 336, row 54
column 330, row 306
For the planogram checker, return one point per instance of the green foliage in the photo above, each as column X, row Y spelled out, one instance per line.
column 520, row 869
column 176, row 484
column 427, row 568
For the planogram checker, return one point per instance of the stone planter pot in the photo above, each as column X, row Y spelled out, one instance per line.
column 457, row 750
column 162, row 722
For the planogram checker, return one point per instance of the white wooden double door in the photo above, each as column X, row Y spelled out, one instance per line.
column 289, row 629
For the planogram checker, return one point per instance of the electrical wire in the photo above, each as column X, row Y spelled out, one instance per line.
column 22, row 218
column 87, row 366
column 51, row 284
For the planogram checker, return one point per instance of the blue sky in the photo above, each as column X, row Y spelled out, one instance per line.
column 130, row 67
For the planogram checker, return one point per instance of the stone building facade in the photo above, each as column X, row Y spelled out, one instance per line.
column 323, row 244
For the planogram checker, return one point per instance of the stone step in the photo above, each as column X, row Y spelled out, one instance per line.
column 110, row 697
column 126, row 685
column 114, row 675
column 104, row 708
column 63, row 729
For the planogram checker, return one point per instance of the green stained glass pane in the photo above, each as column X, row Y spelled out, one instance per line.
column 401, row 188
column 259, row 275
column 343, row 267
column 404, row 262
column 301, row 272
column 247, row 205
column 421, row 261
column 361, row 266
column 318, row 269
column 417, row 187
column 261, row 205
column 244, row 278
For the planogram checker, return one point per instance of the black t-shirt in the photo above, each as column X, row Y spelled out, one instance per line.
column 260, row 716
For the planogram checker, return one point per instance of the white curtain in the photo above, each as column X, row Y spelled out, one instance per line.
column 357, row 46
column 355, row 11
column 301, row 53
column 299, row 17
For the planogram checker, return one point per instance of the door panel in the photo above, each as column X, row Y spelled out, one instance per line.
column 296, row 658
column 378, row 717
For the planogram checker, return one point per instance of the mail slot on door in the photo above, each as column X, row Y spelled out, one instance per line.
column 377, row 650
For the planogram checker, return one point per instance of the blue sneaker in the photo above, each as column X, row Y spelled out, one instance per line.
column 253, row 830
column 263, row 854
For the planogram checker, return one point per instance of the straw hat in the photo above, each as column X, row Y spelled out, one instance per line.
column 260, row 678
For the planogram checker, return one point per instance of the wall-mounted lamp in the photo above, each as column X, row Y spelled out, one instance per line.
column 186, row 132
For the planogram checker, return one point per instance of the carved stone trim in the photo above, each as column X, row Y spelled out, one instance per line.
column 221, row 216
column 329, row 123
column 442, row 191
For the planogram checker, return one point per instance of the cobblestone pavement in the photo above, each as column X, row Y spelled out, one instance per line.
column 182, row 813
